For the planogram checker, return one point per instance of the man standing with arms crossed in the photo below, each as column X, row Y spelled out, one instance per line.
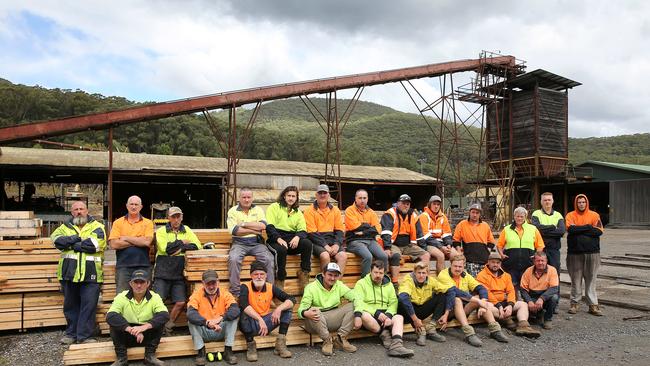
column 131, row 237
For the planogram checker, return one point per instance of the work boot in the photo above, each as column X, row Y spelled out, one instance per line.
column 499, row 336
column 150, row 358
column 67, row 340
column 279, row 284
column 385, row 337
column 433, row 335
column 548, row 324
column 120, row 357
column 229, row 356
column 199, row 360
column 303, row 280
column 524, row 329
column 509, row 324
column 595, row 310
column 496, row 333
column 422, row 338
column 328, row 347
column 169, row 328
column 341, row 342
column 397, row 349
column 470, row 336
column 573, row 308
column 280, row 347
column 251, row 351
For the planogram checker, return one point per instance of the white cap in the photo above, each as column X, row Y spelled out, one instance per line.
column 333, row 267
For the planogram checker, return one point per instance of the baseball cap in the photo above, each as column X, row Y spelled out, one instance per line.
column 475, row 206
column 404, row 197
column 140, row 274
column 435, row 198
column 323, row 188
column 333, row 267
column 209, row 275
column 174, row 210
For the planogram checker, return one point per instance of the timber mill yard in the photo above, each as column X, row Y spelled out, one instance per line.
column 620, row 337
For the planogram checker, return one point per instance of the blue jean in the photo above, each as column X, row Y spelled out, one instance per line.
column 201, row 334
column 79, row 308
column 367, row 249
column 250, row 327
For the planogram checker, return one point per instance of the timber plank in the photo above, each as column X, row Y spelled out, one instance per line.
column 8, row 215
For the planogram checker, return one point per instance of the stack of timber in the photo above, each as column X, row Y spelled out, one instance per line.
column 19, row 224
column 196, row 262
column 29, row 290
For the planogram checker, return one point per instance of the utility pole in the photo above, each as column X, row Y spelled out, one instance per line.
column 422, row 161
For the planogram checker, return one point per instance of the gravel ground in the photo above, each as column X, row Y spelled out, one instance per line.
column 580, row 339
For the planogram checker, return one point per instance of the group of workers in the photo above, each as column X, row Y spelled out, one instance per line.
column 515, row 277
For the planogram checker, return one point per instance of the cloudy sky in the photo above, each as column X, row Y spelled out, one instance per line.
column 164, row 50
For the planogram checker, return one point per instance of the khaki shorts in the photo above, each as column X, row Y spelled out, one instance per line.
column 412, row 251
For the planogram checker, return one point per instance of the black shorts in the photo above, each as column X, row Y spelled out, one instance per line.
column 176, row 288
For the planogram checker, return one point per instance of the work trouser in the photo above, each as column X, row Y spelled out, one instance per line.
column 549, row 306
column 123, row 340
column 236, row 255
column 339, row 320
column 554, row 258
column 303, row 249
column 367, row 249
column 251, row 328
column 433, row 307
column 201, row 334
column 583, row 267
column 79, row 308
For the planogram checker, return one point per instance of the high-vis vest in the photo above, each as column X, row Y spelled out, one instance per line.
column 260, row 301
column 519, row 250
column 401, row 227
column 527, row 240
column 545, row 219
column 77, row 266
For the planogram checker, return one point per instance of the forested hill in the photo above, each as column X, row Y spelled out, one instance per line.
column 285, row 130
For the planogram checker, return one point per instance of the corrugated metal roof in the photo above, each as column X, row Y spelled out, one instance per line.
column 631, row 167
column 198, row 165
column 545, row 79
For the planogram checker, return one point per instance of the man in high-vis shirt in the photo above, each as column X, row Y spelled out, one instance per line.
column 81, row 241
column 473, row 238
column 172, row 241
column 136, row 318
column 131, row 236
column 402, row 235
column 550, row 224
column 246, row 222
column 325, row 229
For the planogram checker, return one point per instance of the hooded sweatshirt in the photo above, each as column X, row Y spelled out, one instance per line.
column 375, row 299
column 316, row 295
column 584, row 229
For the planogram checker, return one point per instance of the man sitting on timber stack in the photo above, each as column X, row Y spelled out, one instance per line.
column 466, row 286
column 401, row 235
column 212, row 316
column 325, row 229
column 246, row 222
column 321, row 309
column 502, row 294
column 540, row 289
column 421, row 296
column 257, row 318
column 376, row 310
column 137, row 317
